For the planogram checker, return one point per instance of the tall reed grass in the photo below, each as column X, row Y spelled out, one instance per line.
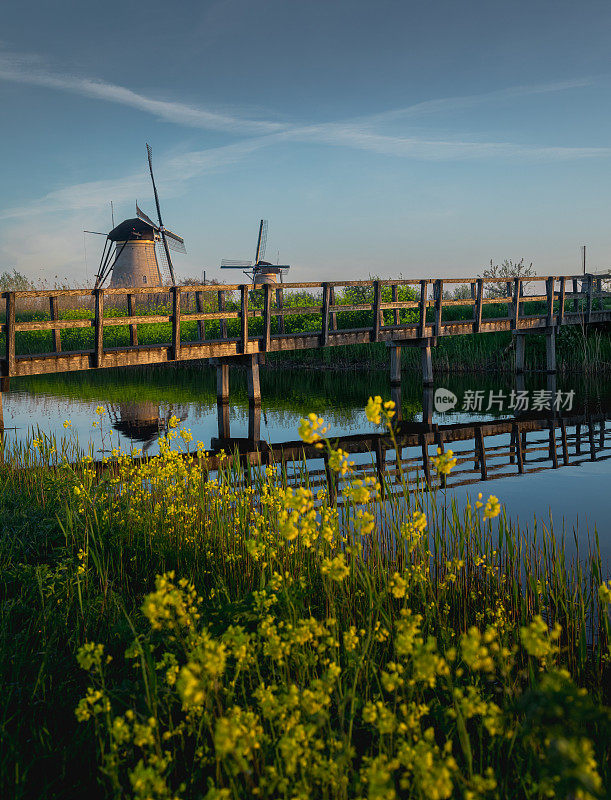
column 287, row 648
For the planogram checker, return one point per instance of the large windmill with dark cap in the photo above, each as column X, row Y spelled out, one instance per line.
column 137, row 251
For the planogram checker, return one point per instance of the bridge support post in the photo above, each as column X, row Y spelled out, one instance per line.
column 222, row 384
column 254, row 386
column 550, row 351
column 4, row 387
column 395, row 365
column 254, row 422
column 395, row 396
column 427, row 362
column 427, row 405
column 222, row 400
column 520, row 340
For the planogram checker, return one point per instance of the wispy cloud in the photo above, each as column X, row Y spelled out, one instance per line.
column 364, row 133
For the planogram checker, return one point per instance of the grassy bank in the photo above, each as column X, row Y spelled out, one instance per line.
column 285, row 649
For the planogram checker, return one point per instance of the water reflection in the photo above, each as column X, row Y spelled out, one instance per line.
column 485, row 450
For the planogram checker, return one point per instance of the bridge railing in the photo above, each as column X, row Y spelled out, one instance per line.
column 237, row 314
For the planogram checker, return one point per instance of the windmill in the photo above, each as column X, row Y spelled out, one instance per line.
column 136, row 248
column 259, row 271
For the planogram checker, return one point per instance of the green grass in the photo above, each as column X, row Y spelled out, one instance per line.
column 421, row 706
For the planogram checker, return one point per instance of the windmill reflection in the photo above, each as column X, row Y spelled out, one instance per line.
column 141, row 421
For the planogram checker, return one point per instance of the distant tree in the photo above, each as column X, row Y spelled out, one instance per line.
column 14, row 282
column 508, row 270
column 460, row 292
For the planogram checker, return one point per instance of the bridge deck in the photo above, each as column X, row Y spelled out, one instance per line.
column 587, row 303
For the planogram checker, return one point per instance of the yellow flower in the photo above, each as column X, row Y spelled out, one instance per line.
column 100, row 411
column 336, row 568
column 444, row 463
column 373, row 409
column 604, row 592
column 538, row 640
column 311, row 428
column 173, row 422
column 67, row 424
column 492, row 507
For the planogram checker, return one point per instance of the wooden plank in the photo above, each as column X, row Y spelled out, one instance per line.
column 10, row 334
column 279, row 309
column 326, row 301
column 549, row 287
column 438, row 307
column 98, row 342
column 333, row 318
column 565, row 449
column 561, row 301
column 395, row 300
column 176, row 291
column 133, row 328
column 60, row 325
column 518, row 447
column 477, row 310
column 297, row 310
column 515, row 308
column 115, row 321
column 423, row 307
column 377, row 299
column 481, row 453
column 201, row 323
column 222, row 299
column 57, row 337
column 244, row 318
column 267, row 317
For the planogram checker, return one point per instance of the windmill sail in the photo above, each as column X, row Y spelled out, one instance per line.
column 262, row 241
column 175, row 242
column 144, row 217
column 232, row 263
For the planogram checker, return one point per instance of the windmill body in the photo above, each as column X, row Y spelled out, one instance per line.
column 136, row 262
column 130, row 256
column 259, row 271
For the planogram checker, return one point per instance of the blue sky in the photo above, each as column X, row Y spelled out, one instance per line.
column 379, row 138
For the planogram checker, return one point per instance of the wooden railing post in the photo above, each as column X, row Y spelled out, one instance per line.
column 549, row 289
column 438, row 307
column 98, row 341
column 267, row 316
column 423, row 287
column 575, row 299
column 280, row 306
column 561, row 296
column 201, row 323
column 509, row 295
column 244, row 317
column 10, row 334
column 590, row 292
column 133, row 329
column 176, row 322
column 222, row 322
column 515, row 307
column 57, row 340
column 333, row 320
column 477, row 309
column 326, row 301
column 395, row 299
column 377, row 299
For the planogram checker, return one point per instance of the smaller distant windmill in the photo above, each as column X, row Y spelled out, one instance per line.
column 140, row 247
column 259, row 271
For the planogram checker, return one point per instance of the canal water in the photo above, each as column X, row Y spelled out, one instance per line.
column 138, row 402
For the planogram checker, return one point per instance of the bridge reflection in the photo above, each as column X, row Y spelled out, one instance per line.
column 485, row 450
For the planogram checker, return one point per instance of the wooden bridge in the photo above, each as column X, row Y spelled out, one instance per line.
column 568, row 300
